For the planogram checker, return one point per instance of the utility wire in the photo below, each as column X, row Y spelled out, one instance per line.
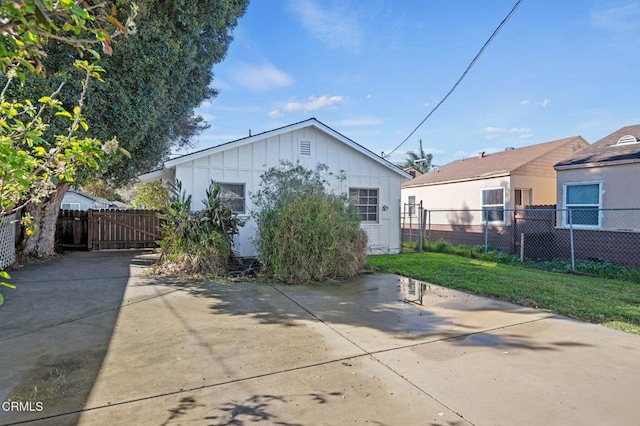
column 486, row 44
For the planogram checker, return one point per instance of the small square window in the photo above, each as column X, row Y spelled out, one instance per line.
column 232, row 195
column 366, row 202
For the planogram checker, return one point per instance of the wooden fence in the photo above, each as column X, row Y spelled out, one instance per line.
column 107, row 229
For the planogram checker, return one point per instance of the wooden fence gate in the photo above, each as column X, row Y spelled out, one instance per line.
column 107, row 229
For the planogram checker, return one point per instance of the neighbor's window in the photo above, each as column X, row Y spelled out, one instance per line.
column 412, row 205
column 366, row 201
column 523, row 197
column 582, row 202
column 493, row 204
column 70, row 206
column 232, row 194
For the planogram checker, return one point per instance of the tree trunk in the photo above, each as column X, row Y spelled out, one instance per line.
column 45, row 214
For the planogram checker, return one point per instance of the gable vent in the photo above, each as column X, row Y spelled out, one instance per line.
column 627, row 139
column 305, row 148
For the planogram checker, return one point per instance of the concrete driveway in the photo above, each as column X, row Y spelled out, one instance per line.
column 91, row 339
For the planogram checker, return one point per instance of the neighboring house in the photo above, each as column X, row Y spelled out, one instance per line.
column 606, row 175
column 484, row 186
column 413, row 171
column 77, row 200
column 372, row 183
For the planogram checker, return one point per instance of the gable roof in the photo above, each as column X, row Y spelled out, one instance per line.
column 311, row 122
column 606, row 151
column 486, row 166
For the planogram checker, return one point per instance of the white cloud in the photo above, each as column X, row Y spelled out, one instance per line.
column 522, row 132
column 207, row 117
column 313, row 103
column 369, row 96
column 335, row 25
column 545, row 103
column 618, row 19
column 274, row 113
column 525, row 102
column 262, row 78
column 491, row 132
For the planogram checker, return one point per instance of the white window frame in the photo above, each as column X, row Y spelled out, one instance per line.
column 565, row 210
column 358, row 205
column 412, row 205
column 494, row 206
column 225, row 200
column 529, row 191
column 72, row 206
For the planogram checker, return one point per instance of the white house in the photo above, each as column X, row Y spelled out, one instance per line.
column 373, row 183
column 77, row 200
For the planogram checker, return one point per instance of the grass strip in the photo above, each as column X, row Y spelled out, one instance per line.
column 610, row 302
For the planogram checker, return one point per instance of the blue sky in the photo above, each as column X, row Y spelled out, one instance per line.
column 372, row 70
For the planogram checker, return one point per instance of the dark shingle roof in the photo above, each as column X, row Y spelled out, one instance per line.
column 496, row 164
column 606, row 150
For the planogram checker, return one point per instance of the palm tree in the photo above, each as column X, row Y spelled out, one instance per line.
column 419, row 160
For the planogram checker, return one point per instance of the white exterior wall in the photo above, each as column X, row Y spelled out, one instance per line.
column 85, row 203
column 243, row 164
column 461, row 196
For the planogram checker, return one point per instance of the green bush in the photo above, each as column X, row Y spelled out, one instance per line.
column 197, row 243
column 305, row 233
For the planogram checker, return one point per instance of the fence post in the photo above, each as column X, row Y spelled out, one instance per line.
column 573, row 252
column 486, row 233
column 429, row 234
column 90, row 227
column 421, row 236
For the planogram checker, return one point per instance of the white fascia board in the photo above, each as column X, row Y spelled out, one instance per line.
column 293, row 127
column 154, row 175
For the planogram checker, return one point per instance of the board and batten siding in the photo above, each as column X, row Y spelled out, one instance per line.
column 244, row 163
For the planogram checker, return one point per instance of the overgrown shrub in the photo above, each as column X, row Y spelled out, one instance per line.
column 197, row 243
column 306, row 233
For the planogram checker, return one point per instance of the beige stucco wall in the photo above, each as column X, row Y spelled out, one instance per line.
column 620, row 189
column 467, row 195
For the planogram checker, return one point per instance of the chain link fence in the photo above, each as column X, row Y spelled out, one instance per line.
column 7, row 241
column 537, row 233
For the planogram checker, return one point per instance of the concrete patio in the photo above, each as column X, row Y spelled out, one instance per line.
column 96, row 340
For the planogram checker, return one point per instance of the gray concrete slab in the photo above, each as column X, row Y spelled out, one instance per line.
column 123, row 347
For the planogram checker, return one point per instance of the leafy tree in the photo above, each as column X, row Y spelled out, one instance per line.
column 154, row 80
column 151, row 196
column 32, row 163
column 419, row 160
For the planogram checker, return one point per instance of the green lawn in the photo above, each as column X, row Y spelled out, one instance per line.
column 613, row 303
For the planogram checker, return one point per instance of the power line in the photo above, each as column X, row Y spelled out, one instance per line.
column 480, row 52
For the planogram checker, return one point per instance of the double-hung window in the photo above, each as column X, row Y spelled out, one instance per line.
column 232, row 195
column 582, row 203
column 366, row 201
column 412, row 205
column 493, row 205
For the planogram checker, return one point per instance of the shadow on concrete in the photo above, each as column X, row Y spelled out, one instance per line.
column 375, row 302
column 255, row 409
column 55, row 329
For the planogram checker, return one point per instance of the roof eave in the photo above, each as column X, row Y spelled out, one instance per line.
column 469, row 179
column 597, row 164
column 312, row 122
